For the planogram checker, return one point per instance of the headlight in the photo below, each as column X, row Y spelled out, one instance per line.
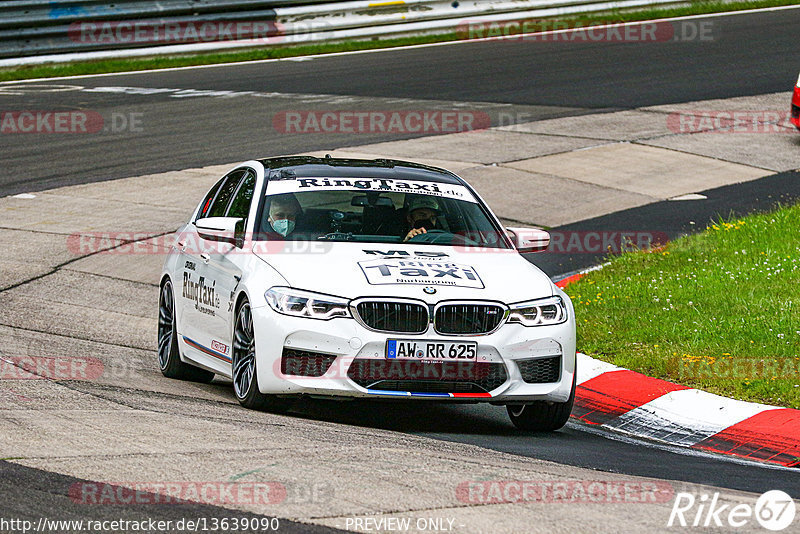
column 798, row 81
column 551, row 310
column 299, row 303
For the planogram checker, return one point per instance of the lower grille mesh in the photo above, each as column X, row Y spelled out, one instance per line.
column 540, row 370
column 417, row 376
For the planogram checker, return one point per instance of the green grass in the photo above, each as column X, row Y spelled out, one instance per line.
column 718, row 310
column 273, row 52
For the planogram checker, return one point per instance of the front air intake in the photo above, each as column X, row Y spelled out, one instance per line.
column 303, row 363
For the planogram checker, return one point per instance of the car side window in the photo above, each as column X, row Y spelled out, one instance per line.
column 224, row 195
column 240, row 205
column 209, row 199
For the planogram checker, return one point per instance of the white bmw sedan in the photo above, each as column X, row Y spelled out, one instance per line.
column 386, row 279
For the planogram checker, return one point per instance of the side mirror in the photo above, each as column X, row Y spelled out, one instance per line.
column 238, row 234
column 225, row 229
column 529, row 239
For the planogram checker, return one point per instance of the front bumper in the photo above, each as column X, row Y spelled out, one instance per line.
column 342, row 345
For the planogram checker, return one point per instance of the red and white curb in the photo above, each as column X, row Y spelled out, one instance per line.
column 635, row 404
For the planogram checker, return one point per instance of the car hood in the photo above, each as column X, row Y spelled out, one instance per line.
column 429, row 273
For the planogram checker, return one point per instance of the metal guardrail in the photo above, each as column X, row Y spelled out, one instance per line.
column 33, row 27
column 39, row 31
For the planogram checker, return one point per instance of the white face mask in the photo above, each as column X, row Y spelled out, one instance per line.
column 283, row 227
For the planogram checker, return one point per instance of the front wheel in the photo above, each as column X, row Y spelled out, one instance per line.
column 244, row 373
column 169, row 360
column 542, row 416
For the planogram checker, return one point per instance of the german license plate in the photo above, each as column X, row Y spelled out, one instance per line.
column 414, row 349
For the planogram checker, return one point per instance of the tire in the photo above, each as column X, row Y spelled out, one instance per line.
column 169, row 360
column 542, row 416
column 243, row 367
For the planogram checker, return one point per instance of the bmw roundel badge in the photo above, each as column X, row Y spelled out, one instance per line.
column 429, row 290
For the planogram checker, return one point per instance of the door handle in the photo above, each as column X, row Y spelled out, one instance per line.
column 181, row 245
column 205, row 257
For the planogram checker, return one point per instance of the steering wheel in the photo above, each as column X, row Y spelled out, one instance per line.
column 442, row 237
column 436, row 237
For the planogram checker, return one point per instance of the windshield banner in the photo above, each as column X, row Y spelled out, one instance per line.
column 383, row 185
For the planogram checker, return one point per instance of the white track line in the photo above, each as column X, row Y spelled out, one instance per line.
column 406, row 47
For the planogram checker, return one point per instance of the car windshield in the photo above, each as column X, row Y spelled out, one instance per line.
column 376, row 211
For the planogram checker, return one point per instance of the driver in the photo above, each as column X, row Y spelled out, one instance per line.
column 422, row 212
column 282, row 216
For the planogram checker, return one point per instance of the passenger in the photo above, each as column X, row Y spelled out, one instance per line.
column 422, row 212
column 282, row 215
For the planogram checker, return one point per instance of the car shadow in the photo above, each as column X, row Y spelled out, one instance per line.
column 409, row 416
column 414, row 417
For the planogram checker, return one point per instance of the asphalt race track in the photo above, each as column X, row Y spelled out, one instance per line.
column 750, row 55
column 31, row 494
column 534, row 80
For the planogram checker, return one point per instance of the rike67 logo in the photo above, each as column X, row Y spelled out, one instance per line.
column 774, row 510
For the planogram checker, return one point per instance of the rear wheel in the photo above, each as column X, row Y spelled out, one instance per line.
column 169, row 360
column 542, row 416
column 244, row 373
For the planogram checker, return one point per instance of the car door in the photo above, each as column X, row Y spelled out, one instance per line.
column 185, row 273
column 224, row 269
column 203, row 292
